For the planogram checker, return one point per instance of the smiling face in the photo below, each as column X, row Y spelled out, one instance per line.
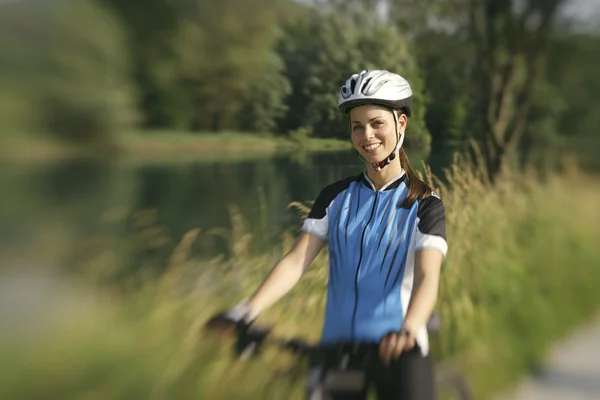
column 373, row 131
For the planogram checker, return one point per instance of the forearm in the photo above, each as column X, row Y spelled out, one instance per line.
column 422, row 303
column 282, row 278
column 425, row 289
column 286, row 273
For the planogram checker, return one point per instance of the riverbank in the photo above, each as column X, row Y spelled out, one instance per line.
column 170, row 145
column 161, row 142
column 518, row 276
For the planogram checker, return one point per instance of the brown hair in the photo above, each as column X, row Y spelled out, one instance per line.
column 417, row 189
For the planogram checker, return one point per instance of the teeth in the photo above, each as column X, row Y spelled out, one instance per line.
column 372, row 146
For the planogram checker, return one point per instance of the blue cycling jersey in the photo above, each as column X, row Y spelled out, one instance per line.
column 372, row 244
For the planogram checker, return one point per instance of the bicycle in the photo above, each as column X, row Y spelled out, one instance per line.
column 326, row 378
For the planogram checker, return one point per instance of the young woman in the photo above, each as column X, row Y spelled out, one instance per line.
column 387, row 239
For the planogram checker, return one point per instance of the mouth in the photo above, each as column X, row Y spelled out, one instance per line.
column 371, row 147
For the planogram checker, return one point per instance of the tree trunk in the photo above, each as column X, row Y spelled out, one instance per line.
column 511, row 50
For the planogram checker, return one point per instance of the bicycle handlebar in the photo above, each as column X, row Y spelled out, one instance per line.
column 250, row 340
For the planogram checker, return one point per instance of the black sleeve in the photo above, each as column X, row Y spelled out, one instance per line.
column 319, row 209
column 432, row 219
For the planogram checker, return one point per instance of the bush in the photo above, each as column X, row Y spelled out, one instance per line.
column 518, row 274
column 68, row 70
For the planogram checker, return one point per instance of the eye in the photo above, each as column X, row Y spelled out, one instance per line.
column 377, row 123
column 356, row 127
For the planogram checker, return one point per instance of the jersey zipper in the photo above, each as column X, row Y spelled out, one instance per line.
column 362, row 242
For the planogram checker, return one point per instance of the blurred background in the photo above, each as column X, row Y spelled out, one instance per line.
column 157, row 157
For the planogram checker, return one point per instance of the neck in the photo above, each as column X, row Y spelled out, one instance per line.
column 386, row 174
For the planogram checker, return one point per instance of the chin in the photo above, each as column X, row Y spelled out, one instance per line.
column 373, row 157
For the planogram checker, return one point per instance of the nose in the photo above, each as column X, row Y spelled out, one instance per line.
column 369, row 132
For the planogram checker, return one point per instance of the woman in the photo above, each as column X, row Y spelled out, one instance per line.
column 386, row 234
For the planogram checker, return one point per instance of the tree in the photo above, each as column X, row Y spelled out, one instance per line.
column 66, row 66
column 206, row 64
column 511, row 39
column 573, row 71
column 448, row 64
column 151, row 41
column 418, row 18
column 265, row 105
column 563, row 113
column 236, row 56
column 325, row 49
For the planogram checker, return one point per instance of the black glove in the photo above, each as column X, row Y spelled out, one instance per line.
column 232, row 322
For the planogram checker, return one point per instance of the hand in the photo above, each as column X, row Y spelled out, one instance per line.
column 228, row 324
column 223, row 325
column 394, row 344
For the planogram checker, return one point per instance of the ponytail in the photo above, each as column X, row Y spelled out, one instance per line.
column 417, row 189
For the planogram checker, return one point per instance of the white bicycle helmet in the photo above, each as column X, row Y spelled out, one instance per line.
column 375, row 87
column 382, row 88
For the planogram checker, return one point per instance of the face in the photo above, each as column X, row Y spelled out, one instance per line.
column 373, row 132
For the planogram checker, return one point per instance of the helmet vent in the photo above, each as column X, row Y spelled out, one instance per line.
column 352, row 85
column 365, row 85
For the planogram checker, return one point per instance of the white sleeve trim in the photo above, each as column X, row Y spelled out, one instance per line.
column 317, row 227
column 426, row 241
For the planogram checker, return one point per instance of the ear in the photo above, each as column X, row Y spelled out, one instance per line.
column 402, row 122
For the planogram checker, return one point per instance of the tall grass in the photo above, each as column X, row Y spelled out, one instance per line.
column 521, row 271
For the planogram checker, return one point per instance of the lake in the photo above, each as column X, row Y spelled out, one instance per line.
column 57, row 215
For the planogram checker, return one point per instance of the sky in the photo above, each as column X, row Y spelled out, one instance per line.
column 587, row 12
column 584, row 10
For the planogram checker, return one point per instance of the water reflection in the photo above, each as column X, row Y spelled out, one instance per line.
column 50, row 211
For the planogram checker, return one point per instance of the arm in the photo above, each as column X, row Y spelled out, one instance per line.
column 286, row 273
column 292, row 266
column 428, row 263
column 430, row 250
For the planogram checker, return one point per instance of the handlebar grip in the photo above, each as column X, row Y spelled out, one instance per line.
column 298, row 346
column 249, row 341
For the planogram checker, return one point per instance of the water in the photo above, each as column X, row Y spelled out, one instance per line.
column 60, row 214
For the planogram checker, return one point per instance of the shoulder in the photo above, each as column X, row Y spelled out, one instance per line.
column 430, row 203
column 431, row 215
column 329, row 193
column 335, row 188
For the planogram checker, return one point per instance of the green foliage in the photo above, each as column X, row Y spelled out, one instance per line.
column 563, row 103
column 324, row 50
column 209, row 65
column 573, row 72
column 85, row 70
column 266, row 103
column 542, row 140
column 66, row 80
column 152, row 44
column 421, row 18
column 300, row 135
column 506, row 293
column 448, row 62
column 238, row 59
